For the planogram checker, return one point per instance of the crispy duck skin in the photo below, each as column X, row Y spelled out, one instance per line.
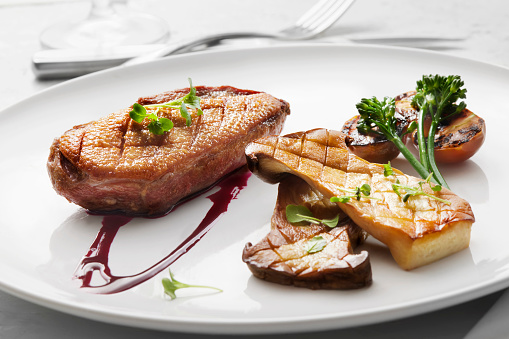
column 116, row 165
column 280, row 257
column 417, row 232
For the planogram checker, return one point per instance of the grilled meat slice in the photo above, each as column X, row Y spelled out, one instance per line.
column 115, row 165
column 281, row 256
column 417, row 232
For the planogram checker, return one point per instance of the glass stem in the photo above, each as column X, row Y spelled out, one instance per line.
column 101, row 9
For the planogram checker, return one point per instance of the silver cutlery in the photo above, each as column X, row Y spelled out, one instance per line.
column 49, row 64
column 316, row 20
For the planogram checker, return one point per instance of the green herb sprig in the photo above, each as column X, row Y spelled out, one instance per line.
column 316, row 244
column 359, row 192
column 298, row 213
column 157, row 126
column 160, row 125
column 388, row 169
column 379, row 117
column 405, row 192
column 436, row 98
column 171, row 285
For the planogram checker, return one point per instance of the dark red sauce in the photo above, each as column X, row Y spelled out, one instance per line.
column 96, row 258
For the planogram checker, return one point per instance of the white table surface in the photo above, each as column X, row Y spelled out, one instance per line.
column 481, row 30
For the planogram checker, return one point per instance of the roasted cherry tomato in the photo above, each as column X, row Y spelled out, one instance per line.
column 458, row 139
column 374, row 147
column 370, row 147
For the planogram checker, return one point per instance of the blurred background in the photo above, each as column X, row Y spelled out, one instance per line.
column 471, row 29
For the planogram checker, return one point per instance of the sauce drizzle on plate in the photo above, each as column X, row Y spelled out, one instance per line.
column 96, row 258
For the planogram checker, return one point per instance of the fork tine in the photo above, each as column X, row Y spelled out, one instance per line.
column 317, row 10
column 331, row 17
column 333, row 12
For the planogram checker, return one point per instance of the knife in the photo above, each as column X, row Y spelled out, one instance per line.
column 69, row 63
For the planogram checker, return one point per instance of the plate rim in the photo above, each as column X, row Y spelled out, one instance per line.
column 244, row 326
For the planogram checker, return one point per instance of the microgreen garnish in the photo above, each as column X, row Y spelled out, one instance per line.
column 359, row 192
column 160, row 125
column 388, row 169
column 298, row 213
column 316, row 244
column 171, row 285
column 436, row 97
column 405, row 192
column 157, row 126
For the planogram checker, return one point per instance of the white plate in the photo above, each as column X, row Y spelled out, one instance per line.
column 43, row 236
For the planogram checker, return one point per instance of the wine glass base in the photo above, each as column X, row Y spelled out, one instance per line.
column 117, row 30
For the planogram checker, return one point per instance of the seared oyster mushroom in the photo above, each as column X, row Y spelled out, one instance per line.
column 281, row 256
column 418, row 231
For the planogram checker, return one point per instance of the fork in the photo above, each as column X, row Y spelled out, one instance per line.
column 316, row 20
column 55, row 64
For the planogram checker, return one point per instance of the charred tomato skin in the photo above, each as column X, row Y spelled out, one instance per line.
column 456, row 140
column 459, row 138
column 374, row 147
column 370, row 147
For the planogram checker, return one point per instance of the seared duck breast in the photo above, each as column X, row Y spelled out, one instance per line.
column 116, row 165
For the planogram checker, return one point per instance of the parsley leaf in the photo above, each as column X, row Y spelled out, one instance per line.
column 359, row 192
column 388, row 169
column 138, row 113
column 171, row 285
column 298, row 213
column 405, row 192
column 316, row 244
column 160, row 125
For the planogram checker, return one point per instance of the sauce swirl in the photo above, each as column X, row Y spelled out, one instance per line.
column 96, row 258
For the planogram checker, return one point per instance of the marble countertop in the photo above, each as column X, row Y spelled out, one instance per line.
column 465, row 28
